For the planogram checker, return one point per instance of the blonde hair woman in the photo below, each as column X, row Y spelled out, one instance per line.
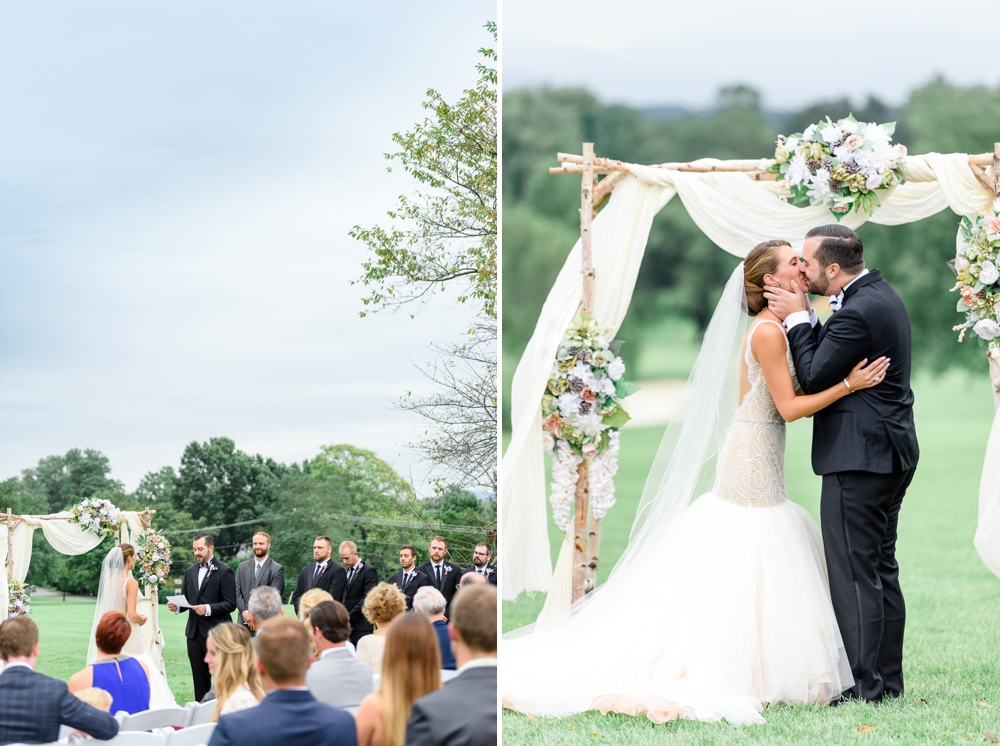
column 309, row 601
column 411, row 668
column 232, row 663
column 383, row 603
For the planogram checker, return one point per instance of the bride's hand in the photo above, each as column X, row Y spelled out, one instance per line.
column 144, row 619
column 866, row 377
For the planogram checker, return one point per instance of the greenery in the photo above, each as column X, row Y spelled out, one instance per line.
column 683, row 272
column 952, row 674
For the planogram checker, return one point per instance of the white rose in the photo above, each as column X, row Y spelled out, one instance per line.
column 791, row 143
column 989, row 273
column 987, row 329
column 874, row 181
column 617, row 369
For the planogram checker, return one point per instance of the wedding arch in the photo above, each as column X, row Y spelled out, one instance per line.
column 66, row 536
column 737, row 204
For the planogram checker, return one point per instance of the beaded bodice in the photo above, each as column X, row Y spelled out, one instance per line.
column 751, row 467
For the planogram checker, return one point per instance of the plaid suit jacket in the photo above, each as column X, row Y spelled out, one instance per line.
column 33, row 706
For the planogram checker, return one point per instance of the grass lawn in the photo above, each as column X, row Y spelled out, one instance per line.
column 64, row 628
column 953, row 602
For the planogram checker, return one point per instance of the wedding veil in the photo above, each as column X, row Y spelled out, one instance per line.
column 685, row 464
column 110, row 595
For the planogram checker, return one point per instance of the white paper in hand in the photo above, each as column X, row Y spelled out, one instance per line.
column 179, row 601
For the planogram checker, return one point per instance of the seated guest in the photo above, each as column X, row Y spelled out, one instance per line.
column 95, row 698
column 123, row 677
column 337, row 678
column 384, row 603
column 264, row 604
column 289, row 714
column 231, row 661
column 465, row 711
column 431, row 603
column 310, row 599
column 34, row 706
column 471, row 578
column 411, row 669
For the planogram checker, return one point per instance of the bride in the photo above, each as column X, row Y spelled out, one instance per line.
column 119, row 591
column 721, row 605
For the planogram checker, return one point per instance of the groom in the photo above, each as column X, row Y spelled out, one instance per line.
column 864, row 445
column 211, row 587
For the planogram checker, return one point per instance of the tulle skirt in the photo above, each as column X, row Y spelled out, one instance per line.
column 727, row 612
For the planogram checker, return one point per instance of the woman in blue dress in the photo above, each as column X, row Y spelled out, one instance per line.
column 125, row 678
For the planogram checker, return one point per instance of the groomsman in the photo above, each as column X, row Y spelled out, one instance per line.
column 323, row 573
column 409, row 580
column 253, row 573
column 443, row 574
column 481, row 563
column 361, row 578
column 211, row 586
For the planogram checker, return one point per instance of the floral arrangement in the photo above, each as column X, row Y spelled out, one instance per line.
column 97, row 515
column 18, row 603
column 153, row 559
column 581, row 415
column 976, row 271
column 842, row 165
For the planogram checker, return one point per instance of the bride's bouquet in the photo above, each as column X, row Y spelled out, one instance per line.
column 18, row 603
column 153, row 554
column 843, row 165
column 97, row 515
column 581, row 415
column 977, row 274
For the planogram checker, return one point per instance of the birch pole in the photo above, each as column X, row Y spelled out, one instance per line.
column 586, row 531
column 10, row 549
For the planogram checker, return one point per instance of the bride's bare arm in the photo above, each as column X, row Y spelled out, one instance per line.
column 131, row 594
column 768, row 347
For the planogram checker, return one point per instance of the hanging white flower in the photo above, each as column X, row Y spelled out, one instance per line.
column 564, row 476
column 987, row 329
column 617, row 369
column 988, row 273
column 602, row 472
column 548, row 441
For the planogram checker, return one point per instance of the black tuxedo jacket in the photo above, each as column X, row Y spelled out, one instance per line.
column 33, row 706
column 271, row 573
column 870, row 429
column 217, row 590
column 365, row 578
column 333, row 580
column 491, row 573
column 449, row 580
column 418, row 581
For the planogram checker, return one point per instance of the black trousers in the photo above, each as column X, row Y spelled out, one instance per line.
column 859, row 512
column 197, row 648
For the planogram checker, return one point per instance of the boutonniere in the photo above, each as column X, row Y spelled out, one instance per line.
column 489, row 570
column 447, row 569
column 211, row 569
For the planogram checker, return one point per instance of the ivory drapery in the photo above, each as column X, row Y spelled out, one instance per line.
column 737, row 213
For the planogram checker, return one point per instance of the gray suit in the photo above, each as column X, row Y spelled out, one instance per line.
column 340, row 680
column 271, row 573
column 462, row 713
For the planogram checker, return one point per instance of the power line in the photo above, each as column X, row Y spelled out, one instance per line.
column 441, row 527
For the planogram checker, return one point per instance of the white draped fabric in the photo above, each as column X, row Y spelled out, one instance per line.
column 737, row 213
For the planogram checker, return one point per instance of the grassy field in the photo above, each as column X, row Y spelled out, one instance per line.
column 953, row 601
column 64, row 628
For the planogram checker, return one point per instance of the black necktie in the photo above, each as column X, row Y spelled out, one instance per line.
column 406, row 579
column 437, row 571
column 316, row 571
column 350, row 576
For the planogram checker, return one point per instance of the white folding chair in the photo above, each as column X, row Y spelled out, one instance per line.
column 197, row 735
column 199, row 713
column 149, row 719
column 134, row 738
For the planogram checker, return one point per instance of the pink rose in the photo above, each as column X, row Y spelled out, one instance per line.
column 967, row 295
column 589, row 450
column 588, row 395
column 961, row 264
column 901, row 150
column 853, row 142
column 993, row 225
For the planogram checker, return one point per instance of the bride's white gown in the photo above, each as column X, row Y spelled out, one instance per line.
column 731, row 609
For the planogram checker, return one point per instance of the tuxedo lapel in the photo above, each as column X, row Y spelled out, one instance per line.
column 873, row 276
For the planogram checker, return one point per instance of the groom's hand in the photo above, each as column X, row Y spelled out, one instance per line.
column 199, row 609
column 782, row 302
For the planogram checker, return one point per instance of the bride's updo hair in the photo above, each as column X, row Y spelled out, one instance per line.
column 762, row 260
column 127, row 551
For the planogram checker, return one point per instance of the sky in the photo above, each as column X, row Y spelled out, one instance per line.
column 648, row 52
column 177, row 181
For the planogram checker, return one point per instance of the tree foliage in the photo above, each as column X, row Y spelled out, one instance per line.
column 448, row 232
column 65, row 480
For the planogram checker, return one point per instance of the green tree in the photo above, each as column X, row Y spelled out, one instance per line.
column 218, row 485
column 66, row 480
column 157, row 486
